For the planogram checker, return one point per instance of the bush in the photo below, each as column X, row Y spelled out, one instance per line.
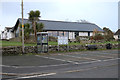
column 108, row 37
column 53, row 39
column 78, row 39
column 31, row 39
column 108, row 34
column 97, row 37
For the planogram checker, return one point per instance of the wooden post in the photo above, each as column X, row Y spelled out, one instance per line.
column 22, row 30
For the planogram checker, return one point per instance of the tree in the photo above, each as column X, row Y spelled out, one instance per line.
column 108, row 34
column 27, row 30
column 39, row 27
column 34, row 17
column 97, row 35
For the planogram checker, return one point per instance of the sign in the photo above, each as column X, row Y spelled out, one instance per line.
column 62, row 40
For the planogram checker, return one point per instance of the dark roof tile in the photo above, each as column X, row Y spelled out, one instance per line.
column 66, row 26
column 118, row 32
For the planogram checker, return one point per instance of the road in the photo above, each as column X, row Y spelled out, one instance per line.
column 84, row 64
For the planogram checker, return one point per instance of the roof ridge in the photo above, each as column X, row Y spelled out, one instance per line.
column 62, row 21
column 67, row 22
column 8, row 27
column 71, row 26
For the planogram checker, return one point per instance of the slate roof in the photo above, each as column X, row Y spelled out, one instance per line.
column 8, row 28
column 50, row 25
column 118, row 32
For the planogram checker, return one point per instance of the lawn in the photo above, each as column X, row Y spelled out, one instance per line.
column 10, row 43
column 0, row 43
column 77, row 43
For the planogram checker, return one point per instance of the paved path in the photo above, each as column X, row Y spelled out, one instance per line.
column 84, row 64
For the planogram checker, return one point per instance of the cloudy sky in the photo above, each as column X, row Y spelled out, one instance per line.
column 104, row 13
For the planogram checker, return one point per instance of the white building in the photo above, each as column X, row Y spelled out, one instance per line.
column 62, row 28
column 117, row 35
column 7, row 33
column 54, row 28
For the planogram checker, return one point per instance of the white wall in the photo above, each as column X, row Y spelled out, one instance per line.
column 11, row 34
column 91, row 33
column 116, row 37
column 3, row 35
column 102, row 33
column 71, row 35
column 7, row 35
column 83, row 33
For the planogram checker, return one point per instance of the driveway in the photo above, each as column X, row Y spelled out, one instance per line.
column 84, row 64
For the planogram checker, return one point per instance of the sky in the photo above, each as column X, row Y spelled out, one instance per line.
column 104, row 13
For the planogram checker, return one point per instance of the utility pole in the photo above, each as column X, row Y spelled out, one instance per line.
column 22, row 30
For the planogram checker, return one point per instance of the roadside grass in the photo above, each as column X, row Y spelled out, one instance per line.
column 77, row 43
column 0, row 43
column 11, row 43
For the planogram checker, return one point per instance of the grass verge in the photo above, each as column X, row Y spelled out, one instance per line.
column 10, row 43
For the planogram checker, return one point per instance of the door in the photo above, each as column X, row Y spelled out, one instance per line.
column 76, row 34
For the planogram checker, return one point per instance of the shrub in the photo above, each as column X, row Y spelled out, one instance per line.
column 78, row 39
column 97, row 37
column 53, row 39
column 108, row 34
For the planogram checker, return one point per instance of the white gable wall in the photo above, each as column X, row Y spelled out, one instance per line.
column 3, row 35
column 7, row 34
column 116, row 37
column 10, row 35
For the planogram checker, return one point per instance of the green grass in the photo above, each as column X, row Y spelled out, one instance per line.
column 52, row 43
column 112, row 42
column 0, row 43
column 72, row 43
column 77, row 43
column 10, row 43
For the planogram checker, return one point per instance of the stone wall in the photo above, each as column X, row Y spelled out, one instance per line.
column 15, row 50
column 11, row 50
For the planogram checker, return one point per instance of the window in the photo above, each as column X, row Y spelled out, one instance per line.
column 52, row 33
column 49, row 33
column 61, row 33
column 66, row 34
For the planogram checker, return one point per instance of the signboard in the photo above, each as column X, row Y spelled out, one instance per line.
column 62, row 40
